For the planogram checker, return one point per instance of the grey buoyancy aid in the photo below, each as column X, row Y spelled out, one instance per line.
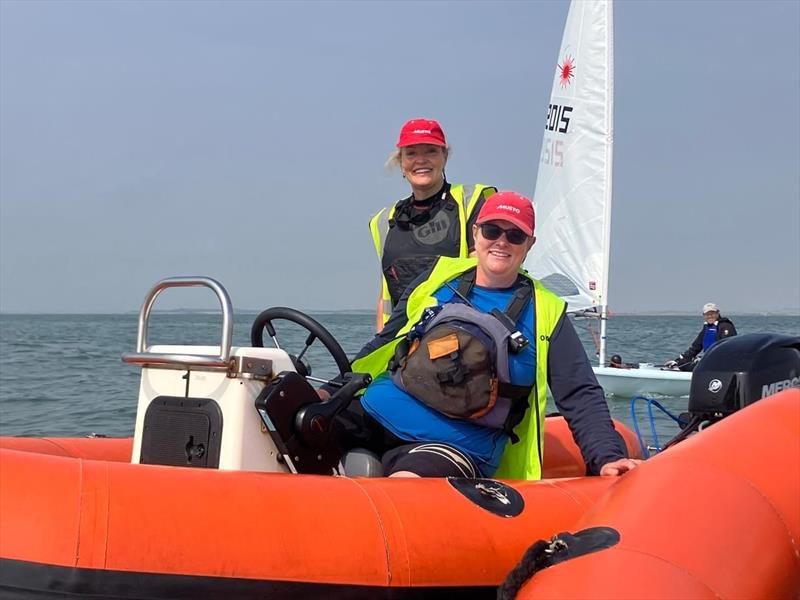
column 456, row 359
column 413, row 243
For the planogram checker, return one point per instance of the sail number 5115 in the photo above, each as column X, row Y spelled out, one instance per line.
column 552, row 152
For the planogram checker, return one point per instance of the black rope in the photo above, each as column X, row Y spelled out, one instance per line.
column 532, row 561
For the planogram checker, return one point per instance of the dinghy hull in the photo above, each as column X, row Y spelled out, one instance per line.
column 644, row 381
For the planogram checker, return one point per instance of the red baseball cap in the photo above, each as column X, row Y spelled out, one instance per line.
column 509, row 206
column 421, row 131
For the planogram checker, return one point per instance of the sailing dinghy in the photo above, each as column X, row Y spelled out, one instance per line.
column 574, row 189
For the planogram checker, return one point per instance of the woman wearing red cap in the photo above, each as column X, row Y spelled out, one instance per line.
column 435, row 220
column 461, row 369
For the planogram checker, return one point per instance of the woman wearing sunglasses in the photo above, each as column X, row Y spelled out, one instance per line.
column 435, row 220
column 417, row 427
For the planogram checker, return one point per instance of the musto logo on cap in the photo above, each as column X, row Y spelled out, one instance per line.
column 513, row 209
column 423, row 131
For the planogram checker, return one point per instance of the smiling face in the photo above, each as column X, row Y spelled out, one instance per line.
column 499, row 260
column 423, row 167
column 711, row 316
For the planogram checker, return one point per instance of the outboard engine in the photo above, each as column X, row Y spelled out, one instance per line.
column 738, row 371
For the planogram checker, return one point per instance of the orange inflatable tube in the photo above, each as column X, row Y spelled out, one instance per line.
column 76, row 517
column 561, row 454
column 715, row 517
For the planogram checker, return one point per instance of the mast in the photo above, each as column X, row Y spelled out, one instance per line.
column 609, row 170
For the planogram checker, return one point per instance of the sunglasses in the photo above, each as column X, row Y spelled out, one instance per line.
column 493, row 232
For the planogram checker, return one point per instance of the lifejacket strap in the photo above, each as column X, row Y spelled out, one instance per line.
column 519, row 406
column 515, row 393
column 400, row 353
column 467, row 282
column 519, row 301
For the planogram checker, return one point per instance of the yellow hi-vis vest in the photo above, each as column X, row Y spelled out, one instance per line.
column 523, row 459
column 466, row 197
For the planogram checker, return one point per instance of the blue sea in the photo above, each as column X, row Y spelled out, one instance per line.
column 61, row 375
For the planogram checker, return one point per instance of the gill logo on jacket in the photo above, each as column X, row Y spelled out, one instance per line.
column 434, row 231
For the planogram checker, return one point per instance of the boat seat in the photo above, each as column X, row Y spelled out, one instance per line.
column 360, row 462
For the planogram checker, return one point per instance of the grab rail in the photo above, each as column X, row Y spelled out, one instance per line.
column 143, row 357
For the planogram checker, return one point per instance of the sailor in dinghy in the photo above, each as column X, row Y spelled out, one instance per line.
column 715, row 329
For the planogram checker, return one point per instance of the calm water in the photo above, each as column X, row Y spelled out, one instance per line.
column 61, row 375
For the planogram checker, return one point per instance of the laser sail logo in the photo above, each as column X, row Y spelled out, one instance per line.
column 566, row 71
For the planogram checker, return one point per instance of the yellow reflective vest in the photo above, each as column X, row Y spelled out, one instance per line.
column 466, row 197
column 523, row 459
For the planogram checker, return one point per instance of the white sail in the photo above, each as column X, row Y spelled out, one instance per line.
column 573, row 186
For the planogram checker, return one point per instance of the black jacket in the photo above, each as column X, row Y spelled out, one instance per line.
column 725, row 329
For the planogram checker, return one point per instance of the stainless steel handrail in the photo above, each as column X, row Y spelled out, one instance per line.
column 143, row 357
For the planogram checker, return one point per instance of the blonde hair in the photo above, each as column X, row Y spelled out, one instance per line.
column 393, row 161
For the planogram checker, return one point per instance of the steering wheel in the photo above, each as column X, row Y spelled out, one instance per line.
column 315, row 331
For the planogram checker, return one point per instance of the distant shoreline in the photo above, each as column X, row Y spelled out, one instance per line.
column 360, row 311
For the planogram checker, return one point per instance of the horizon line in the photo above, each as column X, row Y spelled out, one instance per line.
column 786, row 312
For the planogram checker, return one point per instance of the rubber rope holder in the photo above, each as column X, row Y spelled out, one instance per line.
column 546, row 553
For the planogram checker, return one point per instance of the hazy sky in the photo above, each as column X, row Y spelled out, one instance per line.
column 246, row 141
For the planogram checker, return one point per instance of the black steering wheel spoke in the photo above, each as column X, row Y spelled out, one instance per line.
column 309, row 341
